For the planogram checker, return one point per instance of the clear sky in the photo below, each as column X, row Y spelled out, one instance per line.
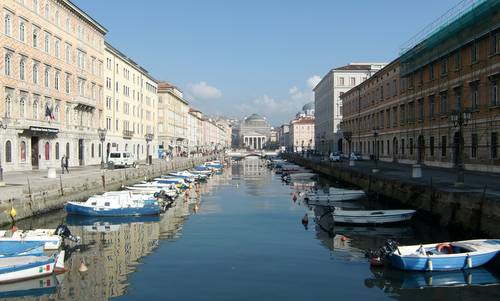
column 237, row 57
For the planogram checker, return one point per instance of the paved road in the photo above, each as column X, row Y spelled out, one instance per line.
column 443, row 178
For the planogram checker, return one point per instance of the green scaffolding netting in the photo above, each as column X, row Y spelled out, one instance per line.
column 479, row 20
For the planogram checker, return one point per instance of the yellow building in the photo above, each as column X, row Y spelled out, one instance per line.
column 130, row 105
column 172, row 119
column 51, row 84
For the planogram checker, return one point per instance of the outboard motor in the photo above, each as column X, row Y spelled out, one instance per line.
column 390, row 247
column 64, row 232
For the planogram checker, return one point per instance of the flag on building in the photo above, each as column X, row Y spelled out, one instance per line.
column 49, row 113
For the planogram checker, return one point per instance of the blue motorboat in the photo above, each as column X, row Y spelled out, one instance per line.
column 446, row 256
column 116, row 203
column 21, row 248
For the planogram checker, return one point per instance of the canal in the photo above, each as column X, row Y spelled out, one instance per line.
column 240, row 237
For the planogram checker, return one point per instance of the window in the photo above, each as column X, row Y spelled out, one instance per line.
column 47, row 151
column 35, row 6
column 458, row 99
column 68, row 83
column 108, row 103
column 46, row 77
column 431, row 71
column 8, row 151
column 444, row 66
column 443, row 146
column 22, row 31
column 47, row 43
column 67, row 55
column 35, row 37
column 67, row 150
column 68, row 25
column 47, row 11
column 22, row 110
column 57, row 45
column 402, row 146
column 431, row 146
column 494, row 93
column 92, row 150
column 108, row 123
column 432, row 111
column 57, row 150
column 8, row 106
column 8, row 64
column 495, row 43
column 411, row 146
column 68, row 115
column 56, row 80
column 35, row 73
column 474, row 96
column 420, row 109
column 56, row 17
column 35, row 109
column 474, row 52
column 494, row 145
column 341, row 81
column 22, row 69
column 353, row 81
column 8, row 24
column 458, row 62
column 444, row 104
column 473, row 148
column 81, row 59
column 23, row 151
column 81, row 87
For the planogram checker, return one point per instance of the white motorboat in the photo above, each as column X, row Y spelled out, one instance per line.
column 17, row 268
column 371, row 216
column 340, row 195
column 152, row 190
column 51, row 238
column 300, row 176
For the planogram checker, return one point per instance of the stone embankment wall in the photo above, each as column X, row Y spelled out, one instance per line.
column 37, row 198
column 475, row 213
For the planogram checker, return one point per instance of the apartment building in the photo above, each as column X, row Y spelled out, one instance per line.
column 51, row 84
column 130, row 108
column 327, row 103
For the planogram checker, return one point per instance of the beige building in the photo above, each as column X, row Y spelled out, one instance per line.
column 51, row 84
column 302, row 134
column 195, row 130
column 172, row 119
column 130, row 108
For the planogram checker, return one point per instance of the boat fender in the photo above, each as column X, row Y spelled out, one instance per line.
column 468, row 278
column 13, row 212
column 429, row 264
column 428, row 281
column 444, row 246
column 343, row 238
column 469, row 261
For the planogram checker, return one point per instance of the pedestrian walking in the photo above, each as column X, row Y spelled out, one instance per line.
column 66, row 163
column 63, row 162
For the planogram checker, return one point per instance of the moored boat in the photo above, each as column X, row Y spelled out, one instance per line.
column 371, row 216
column 337, row 196
column 17, row 268
column 117, row 203
column 445, row 256
column 51, row 238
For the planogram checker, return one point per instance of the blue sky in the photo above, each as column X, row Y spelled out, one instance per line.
column 239, row 57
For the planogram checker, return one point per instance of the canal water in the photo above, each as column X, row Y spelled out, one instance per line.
column 240, row 237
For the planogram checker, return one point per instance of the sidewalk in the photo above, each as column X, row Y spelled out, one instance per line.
column 442, row 178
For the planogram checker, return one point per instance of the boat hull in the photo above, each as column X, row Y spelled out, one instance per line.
column 27, row 267
column 363, row 217
column 73, row 208
column 449, row 263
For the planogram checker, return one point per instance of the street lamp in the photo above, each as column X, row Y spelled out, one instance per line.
column 3, row 126
column 460, row 119
column 149, row 138
column 102, row 137
column 375, row 132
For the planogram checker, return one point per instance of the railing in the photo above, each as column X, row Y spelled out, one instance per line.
column 127, row 134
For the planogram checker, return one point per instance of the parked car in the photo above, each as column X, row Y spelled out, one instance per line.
column 335, row 157
column 122, row 159
column 355, row 156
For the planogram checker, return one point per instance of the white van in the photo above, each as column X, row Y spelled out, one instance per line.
column 122, row 159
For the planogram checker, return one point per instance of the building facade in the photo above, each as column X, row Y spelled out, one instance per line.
column 328, row 105
column 130, row 108
column 437, row 104
column 51, row 84
column 283, row 138
column 172, row 119
column 302, row 134
column 195, row 130
column 254, row 132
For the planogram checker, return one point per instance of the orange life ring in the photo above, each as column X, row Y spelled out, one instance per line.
column 444, row 246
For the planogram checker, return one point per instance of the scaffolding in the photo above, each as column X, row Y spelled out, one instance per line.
column 462, row 24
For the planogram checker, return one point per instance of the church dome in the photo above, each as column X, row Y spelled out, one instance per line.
column 308, row 106
column 254, row 117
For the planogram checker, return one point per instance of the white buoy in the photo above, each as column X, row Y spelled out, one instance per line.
column 469, row 261
column 429, row 265
column 83, row 268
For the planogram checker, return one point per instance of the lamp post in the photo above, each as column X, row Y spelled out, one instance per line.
column 348, row 136
column 375, row 132
column 3, row 126
column 102, row 137
column 149, row 138
column 460, row 119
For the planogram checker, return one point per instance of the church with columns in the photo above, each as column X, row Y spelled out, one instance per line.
column 254, row 132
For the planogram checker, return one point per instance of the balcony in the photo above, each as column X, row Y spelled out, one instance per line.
column 127, row 134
